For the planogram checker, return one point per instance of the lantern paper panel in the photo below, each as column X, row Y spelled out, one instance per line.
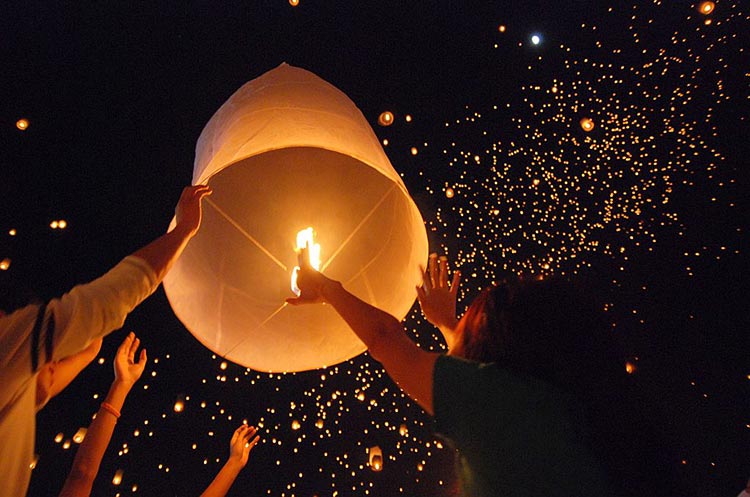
column 289, row 151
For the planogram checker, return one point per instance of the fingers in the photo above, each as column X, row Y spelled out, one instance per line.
column 443, row 271
column 134, row 344
column 433, row 266
column 421, row 294
column 124, row 347
column 455, row 282
column 143, row 357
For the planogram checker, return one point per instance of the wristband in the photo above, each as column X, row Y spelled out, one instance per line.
column 110, row 409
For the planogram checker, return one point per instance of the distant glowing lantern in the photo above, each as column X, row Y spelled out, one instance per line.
column 321, row 166
column 179, row 404
column 449, row 193
column 403, row 430
column 319, row 424
column 376, row 458
column 630, row 367
column 414, row 151
column 706, row 8
column 12, row 232
column 295, row 425
column 66, row 444
column 5, row 264
column 293, row 3
column 407, row 118
column 22, row 124
column 34, row 461
column 80, row 435
column 536, row 39
column 385, row 118
column 587, row 124
column 501, row 28
column 59, row 438
column 54, row 224
column 117, row 479
column 62, row 224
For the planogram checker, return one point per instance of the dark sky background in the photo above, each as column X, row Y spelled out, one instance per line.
column 116, row 94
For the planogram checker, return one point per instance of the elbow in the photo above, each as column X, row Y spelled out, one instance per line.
column 382, row 344
column 81, row 476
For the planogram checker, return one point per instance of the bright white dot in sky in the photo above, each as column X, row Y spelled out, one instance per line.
column 535, row 39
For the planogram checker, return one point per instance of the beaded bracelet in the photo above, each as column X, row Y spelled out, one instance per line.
column 110, row 409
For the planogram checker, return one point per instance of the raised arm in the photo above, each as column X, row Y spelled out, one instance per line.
column 385, row 338
column 90, row 453
column 243, row 440
column 97, row 308
column 162, row 253
column 437, row 299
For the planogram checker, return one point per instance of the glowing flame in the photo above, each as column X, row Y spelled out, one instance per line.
column 117, row 479
column 376, row 458
column 305, row 239
column 80, row 435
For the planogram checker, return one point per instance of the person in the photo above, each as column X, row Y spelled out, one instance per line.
column 243, row 440
column 512, row 393
column 36, row 335
column 128, row 370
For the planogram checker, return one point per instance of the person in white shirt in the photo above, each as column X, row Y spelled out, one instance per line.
column 40, row 337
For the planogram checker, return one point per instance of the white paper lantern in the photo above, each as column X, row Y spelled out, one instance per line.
column 286, row 152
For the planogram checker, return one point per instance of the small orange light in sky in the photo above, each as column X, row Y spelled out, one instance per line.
column 385, row 118
column 22, row 124
column 587, row 124
column 706, row 7
column 501, row 28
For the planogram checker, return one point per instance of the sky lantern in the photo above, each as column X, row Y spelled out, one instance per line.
column 376, row 458
column 385, row 118
column 501, row 28
column 293, row 3
column 5, row 264
column 22, row 124
column 706, row 8
column 117, row 479
column 587, row 124
column 288, row 152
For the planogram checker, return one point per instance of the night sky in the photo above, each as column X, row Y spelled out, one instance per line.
column 649, row 205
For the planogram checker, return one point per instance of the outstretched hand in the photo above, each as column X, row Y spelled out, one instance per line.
column 436, row 298
column 127, row 370
column 309, row 281
column 189, row 210
column 243, row 440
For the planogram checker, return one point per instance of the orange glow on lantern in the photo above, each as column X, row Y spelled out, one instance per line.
column 305, row 238
column 587, row 124
column 22, row 124
column 385, row 118
column 5, row 264
column 80, row 435
column 501, row 28
column 293, row 3
column 376, row 458
column 179, row 405
column 295, row 425
column 117, row 479
column 706, row 8
column 630, row 367
column 449, row 193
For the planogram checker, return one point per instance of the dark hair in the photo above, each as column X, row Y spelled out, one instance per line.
column 551, row 330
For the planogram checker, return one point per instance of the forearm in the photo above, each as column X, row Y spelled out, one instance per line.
column 387, row 342
column 162, row 253
column 90, row 454
column 372, row 325
column 224, row 479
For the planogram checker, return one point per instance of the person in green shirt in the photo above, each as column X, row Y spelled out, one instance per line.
column 527, row 392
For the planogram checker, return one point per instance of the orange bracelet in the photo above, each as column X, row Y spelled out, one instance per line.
column 110, row 409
